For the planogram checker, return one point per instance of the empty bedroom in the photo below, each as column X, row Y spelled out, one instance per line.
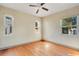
column 39, row 29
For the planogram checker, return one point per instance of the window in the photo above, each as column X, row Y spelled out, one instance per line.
column 8, row 25
column 36, row 25
column 69, row 25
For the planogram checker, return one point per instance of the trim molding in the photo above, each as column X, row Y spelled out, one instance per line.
column 63, row 45
column 19, row 45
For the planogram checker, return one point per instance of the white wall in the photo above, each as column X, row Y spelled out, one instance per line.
column 23, row 28
column 52, row 28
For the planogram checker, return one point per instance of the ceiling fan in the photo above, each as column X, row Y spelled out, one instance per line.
column 39, row 5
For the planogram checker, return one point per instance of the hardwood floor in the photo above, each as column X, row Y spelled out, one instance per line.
column 40, row 48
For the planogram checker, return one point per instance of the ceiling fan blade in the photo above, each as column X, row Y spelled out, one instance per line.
column 33, row 5
column 44, row 8
column 42, row 4
column 37, row 11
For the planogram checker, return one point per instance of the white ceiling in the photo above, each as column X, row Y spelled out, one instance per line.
column 53, row 7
